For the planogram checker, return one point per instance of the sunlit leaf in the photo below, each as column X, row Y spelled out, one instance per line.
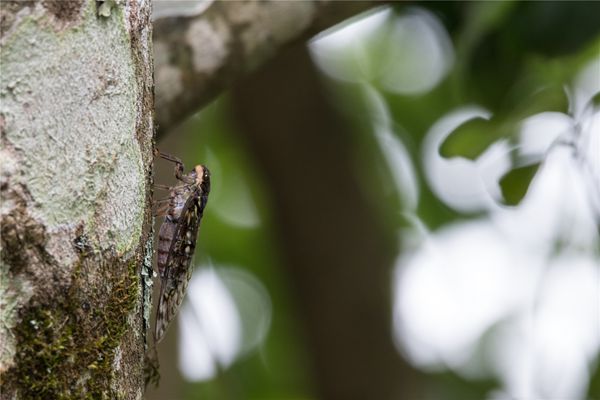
column 470, row 139
column 515, row 183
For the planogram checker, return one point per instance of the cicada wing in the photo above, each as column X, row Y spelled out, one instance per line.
column 179, row 265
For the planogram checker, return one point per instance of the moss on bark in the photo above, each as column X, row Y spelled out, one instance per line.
column 68, row 351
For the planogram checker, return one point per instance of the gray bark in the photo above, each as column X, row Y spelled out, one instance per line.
column 76, row 127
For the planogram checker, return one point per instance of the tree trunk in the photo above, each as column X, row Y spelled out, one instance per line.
column 76, row 127
column 337, row 248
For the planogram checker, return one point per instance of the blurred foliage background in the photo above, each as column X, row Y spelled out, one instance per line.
column 430, row 169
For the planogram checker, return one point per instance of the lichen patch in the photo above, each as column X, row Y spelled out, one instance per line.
column 87, row 149
column 14, row 292
column 9, row 11
column 209, row 43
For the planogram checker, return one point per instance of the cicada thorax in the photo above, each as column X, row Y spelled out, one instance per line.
column 177, row 241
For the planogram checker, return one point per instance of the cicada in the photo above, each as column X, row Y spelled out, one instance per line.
column 177, row 239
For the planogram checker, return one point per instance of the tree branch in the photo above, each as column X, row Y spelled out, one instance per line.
column 197, row 57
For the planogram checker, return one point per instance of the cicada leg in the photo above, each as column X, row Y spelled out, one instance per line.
column 162, row 210
column 161, row 206
column 162, row 200
column 162, row 187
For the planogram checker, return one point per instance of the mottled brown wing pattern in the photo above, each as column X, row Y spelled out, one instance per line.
column 177, row 242
column 165, row 239
column 178, row 269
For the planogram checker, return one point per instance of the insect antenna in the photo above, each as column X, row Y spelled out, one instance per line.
column 178, row 164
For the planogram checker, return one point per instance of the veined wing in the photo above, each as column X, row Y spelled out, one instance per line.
column 179, row 268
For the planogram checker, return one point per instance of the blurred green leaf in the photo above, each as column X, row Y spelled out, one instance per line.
column 470, row 139
column 473, row 137
column 483, row 17
column 594, row 385
column 515, row 183
column 554, row 28
column 449, row 385
column 547, row 99
column 594, row 102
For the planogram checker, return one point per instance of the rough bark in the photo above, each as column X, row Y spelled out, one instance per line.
column 199, row 56
column 76, row 132
column 337, row 249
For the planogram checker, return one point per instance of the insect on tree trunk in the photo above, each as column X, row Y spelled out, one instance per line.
column 177, row 239
column 76, row 112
